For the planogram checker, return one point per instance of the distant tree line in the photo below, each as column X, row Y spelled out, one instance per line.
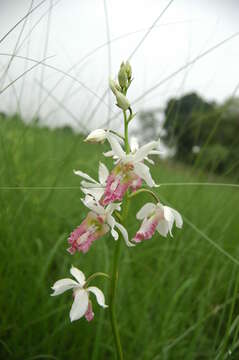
column 200, row 132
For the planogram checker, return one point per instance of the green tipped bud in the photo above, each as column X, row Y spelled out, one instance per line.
column 122, row 76
column 128, row 70
column 122, row 101
column 114, row 86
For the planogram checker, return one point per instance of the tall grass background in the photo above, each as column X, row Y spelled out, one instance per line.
column 177, row 297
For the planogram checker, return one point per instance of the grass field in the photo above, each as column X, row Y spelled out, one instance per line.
column 177, row 297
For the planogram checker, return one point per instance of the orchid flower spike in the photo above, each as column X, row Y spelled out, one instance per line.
column 129, row 171
column 156, row 217
column 92, row 187
column 97, row 223
column 82, row 305
column 96, row 136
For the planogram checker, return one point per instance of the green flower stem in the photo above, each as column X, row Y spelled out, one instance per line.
column 140, row 191
column 115, row 272
column 113, row 320
column 126, row 136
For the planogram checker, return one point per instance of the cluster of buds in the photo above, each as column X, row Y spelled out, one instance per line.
column 120, row 89
column 103, row 198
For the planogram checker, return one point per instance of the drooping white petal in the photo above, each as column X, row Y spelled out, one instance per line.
column 78, row 275
column 84, row 176
column 168, row 214
column 115, row 145
column 143, row 172
column 111, row 221
column 80, row 304
column 163, row 228
column 146, row 210
column 178, row 219
column 103, row 173
column 63, row 285
column 124, row 233
column 142, row 152
column 169, row 217
column 99, row 295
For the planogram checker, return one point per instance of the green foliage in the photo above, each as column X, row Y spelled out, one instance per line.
column 177, row 297
column 191, row 121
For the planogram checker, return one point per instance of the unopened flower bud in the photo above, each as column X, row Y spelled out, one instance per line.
column 98, row 135
column 128, row 70
column 122, row 101
column 114, row 86
column 122, row 76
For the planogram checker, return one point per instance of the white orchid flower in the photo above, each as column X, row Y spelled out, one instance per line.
column 106, row 214
column 129, row 171
column 96, row 136
column 82, row 305
column 91, row 186
column 97, row 223
column 156, row 217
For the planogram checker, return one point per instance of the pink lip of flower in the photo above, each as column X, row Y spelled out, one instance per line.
column 97, row 223
column 156, row 217
column 82, row 305
column 118, row 182
column 89, row 315
column 91, row 229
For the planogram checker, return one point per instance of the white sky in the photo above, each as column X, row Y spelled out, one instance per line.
column 76, row 27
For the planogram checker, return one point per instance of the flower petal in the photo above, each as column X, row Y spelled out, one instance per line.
column 95, row 192
column 145, row 211
column 87, row 184
column 99, row 295
column 143, row 172
column 111, row 221
column 93, row 205
column 163, row 228
column 84, row 176
column 168, row 214
column 178, row 219
column 103, row 173
column 142, row 152
column 63, row 285
column 115, row 145
column 124, row 233
column 78, row 275
column 80, row 305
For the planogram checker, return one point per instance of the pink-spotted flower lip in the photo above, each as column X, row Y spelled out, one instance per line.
column 91, row 229
column 118, row 182
column 82, row 305
column 135, row 158
column 156, row 217
column 106, row 214
column 91, row 186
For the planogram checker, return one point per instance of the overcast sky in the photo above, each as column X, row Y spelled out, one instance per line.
column 74, row 28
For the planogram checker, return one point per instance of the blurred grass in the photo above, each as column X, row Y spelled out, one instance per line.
column 177, row 297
